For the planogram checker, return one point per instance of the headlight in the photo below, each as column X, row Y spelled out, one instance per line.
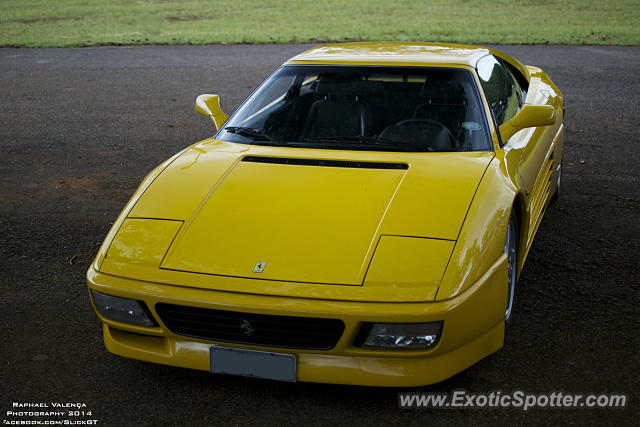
column 123, row 310
column 412, row 336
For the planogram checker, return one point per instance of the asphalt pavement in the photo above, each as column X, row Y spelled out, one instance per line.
column 79, row 129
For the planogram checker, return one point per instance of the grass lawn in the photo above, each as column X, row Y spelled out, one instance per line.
column 90, row 22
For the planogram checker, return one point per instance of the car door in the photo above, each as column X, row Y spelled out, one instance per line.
column 526, row 152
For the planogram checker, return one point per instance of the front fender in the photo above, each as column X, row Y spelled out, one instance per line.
column 144, row 184
column 482, row 237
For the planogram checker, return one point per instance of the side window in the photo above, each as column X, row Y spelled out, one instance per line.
column 500, row 89
column 521, row 80
column 514, row 74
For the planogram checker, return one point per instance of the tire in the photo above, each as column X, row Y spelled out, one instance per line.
column 511, row 249
column 556, row 195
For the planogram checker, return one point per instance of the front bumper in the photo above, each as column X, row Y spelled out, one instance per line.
column 473, row 328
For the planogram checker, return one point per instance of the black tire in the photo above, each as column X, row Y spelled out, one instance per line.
column 511, row 249
column 556, row 194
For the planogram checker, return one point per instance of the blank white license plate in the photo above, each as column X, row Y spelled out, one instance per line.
column 253, row 363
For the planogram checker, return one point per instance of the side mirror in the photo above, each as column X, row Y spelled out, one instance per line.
column 209, row 105
column 528, row 117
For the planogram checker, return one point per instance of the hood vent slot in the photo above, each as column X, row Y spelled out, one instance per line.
column 325, row 163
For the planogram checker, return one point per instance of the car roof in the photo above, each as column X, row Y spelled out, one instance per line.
column 400, row 53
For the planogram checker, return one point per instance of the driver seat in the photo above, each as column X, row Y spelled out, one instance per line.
column 445, row 103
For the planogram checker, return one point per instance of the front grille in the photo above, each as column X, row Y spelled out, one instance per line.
column 251, row 328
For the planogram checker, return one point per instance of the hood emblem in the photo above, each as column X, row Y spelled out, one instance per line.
column 246, row 328
column 259, row 268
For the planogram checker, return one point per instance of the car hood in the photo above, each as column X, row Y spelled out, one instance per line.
column 302, row 215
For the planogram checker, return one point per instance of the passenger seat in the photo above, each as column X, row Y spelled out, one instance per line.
column 338, row 114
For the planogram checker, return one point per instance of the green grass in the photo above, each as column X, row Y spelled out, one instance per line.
column 83, row 23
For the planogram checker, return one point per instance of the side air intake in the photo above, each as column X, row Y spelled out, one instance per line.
column 325, row 163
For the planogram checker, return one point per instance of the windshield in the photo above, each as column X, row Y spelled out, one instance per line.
column 363, row 108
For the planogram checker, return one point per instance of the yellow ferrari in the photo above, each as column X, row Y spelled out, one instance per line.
column 362, row 218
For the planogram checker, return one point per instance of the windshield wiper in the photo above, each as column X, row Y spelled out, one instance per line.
column 399, row 144
column 255, row 134
column 343, row 138
column 369, row 142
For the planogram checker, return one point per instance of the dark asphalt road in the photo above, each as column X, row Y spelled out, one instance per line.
column 79, row 128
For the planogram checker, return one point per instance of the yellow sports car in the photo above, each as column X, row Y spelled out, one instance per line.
column 362, row 218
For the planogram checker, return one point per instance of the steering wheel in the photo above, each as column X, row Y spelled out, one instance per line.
column 429, row 121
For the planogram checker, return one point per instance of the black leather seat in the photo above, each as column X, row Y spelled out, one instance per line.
column 337, row 117
column 340, row 113
column 445, row 103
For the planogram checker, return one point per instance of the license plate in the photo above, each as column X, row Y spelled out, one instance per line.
column 253, row 363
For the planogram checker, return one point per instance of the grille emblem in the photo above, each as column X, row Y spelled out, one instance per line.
column 246, row 328
column 259, row 268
